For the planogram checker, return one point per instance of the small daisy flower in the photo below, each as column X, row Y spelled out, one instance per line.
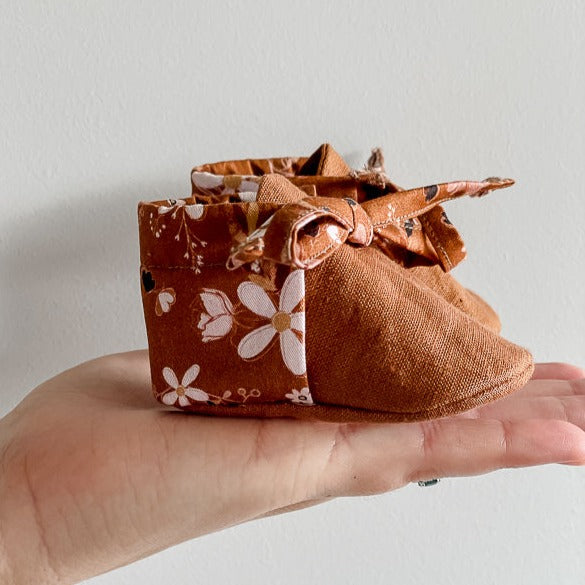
column 179, row 394
column 302, row 396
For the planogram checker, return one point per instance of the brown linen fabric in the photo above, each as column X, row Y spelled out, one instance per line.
column 296, row 286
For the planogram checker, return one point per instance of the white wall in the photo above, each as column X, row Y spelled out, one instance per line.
column 106, row 103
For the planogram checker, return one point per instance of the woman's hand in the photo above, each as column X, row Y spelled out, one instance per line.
column 96, row 474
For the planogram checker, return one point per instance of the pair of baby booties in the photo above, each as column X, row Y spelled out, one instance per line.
column 299, row 287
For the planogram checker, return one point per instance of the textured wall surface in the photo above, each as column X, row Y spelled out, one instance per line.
column 106, row 103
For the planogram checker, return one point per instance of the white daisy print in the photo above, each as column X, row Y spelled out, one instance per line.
column 180, row 393
column 282, row 321
column 218, row 320
column 302, row 396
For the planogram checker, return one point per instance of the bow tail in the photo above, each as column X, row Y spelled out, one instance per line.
column 444, row 237
column 410, row 226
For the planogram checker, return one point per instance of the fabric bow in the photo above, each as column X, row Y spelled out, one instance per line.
column 309, row 228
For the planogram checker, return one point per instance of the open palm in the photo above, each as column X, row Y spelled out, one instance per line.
column 97, row 474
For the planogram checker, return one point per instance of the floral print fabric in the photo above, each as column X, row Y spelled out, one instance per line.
column 227, row 335
column 220, row 187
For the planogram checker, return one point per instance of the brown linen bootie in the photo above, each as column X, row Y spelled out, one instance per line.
column 276, row 292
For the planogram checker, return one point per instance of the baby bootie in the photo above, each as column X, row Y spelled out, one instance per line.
column 296, row 286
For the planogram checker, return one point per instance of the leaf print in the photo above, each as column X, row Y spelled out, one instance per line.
column 282, row 321
column 455, row 187
column 430, row 192
column 227, row 401
column 180, row 211
column 165, row 298
column 147, row 281
column 284, row 166
column 245, row 394
column 472, row 189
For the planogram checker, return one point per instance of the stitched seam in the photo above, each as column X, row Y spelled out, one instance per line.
column 436, row 241
column 308, row 212
column 417, row 212
column 345, row 223
column 486, row 392
column 322, row 252
column 483, row 392
column 332, row 211
column 183, row 266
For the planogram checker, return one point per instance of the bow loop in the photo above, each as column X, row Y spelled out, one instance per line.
column 303, row 232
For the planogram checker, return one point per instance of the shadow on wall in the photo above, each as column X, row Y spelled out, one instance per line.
column 70, row 283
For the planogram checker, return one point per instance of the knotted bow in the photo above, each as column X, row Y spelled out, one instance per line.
column 309, row 228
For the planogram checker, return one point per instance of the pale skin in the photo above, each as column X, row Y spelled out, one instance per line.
column 95, row 474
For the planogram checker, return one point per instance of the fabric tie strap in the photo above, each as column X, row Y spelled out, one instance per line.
column 309, row 228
